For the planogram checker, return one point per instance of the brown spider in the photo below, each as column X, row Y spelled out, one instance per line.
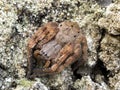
column 55, row 46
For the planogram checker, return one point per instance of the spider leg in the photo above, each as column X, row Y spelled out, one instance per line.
column 30, row 46
column 84, row 55
column 75, row 56
column 43, row 35
column 84, row 49
column 47, row 64
column 65, row 52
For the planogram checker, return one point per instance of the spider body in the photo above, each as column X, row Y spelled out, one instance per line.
column 54, row 47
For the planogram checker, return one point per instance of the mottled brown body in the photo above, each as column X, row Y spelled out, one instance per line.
column 55, row 46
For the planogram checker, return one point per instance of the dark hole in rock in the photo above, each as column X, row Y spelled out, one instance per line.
column 13, row 84
column 53, row 88
column 60, row 25
column 71, row 88
column 3, row 66
column 100, row 69
column 71, row 25
column 74, row 35
column 76, row 75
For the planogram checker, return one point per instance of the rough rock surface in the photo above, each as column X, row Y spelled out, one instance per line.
column 111, row 21
column 87, row 84
column 100, row 21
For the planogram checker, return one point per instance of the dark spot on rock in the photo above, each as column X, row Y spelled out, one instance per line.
column 71, row 25
column 13, row 84
column 100, row 69
column 60, row 25
column 71, row 88
column 74, row 36
column 104, row 2
column 78, row 4
column 3, row 22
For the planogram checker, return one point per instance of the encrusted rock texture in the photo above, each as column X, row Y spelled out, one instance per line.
column 98, row 19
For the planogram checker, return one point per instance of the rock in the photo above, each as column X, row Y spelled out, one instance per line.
column 87, row 84
column 110, row 52
column 60, row 81
column 111, row 21
column 39, row 86
column 115, row 82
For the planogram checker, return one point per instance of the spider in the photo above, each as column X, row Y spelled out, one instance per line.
column 55, row 46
